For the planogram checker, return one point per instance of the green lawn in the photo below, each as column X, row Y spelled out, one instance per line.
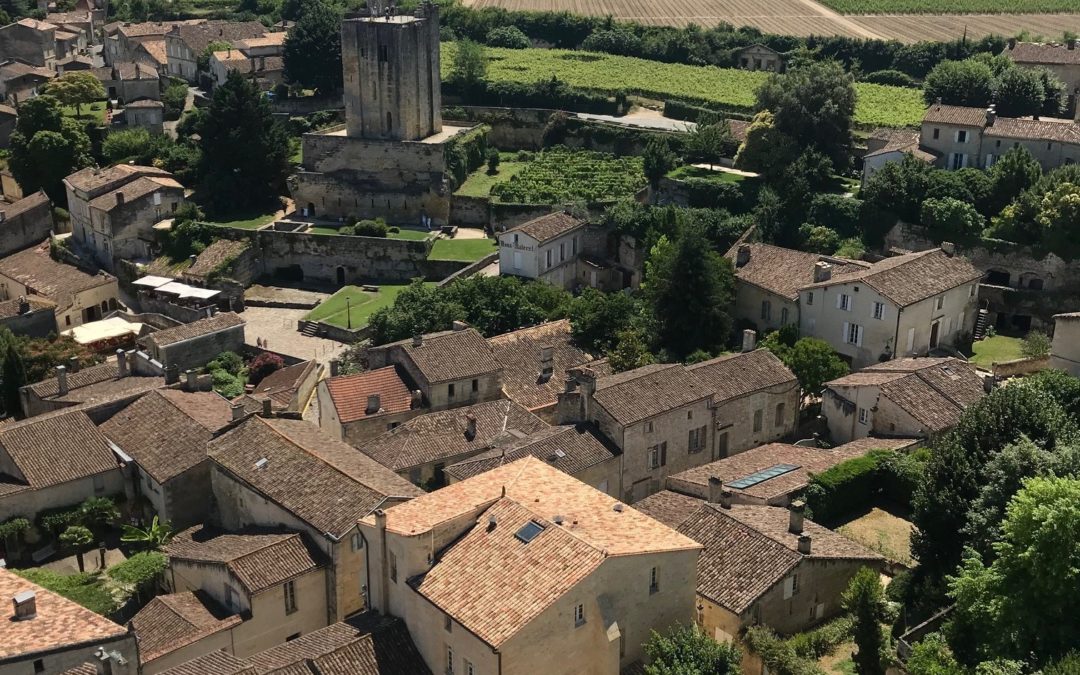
column 251, row 223
column 462, row 249
column 480, row 182
column 690, row 171
column 988, row 351
column 89, row 590
column 90, row 112
column 355, row 302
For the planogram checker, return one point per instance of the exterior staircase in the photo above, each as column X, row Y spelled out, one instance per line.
column 310, row 329
column 981, row 324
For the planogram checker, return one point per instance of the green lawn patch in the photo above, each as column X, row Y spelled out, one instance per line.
column 89, row 590
column 253, row 222
column 480, row 182
column 991, row 350
column 468, row 250
column 92, row 112
column 878, row 105
column 690, row 171
column 336, row 309
column 321, row 229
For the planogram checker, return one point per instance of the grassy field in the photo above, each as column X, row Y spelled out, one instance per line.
column 881, row 531
column 90, row 112
column 878, row 105
column 988, row 351
column 689, row 171
column 255, row 221
column 480, row 182
column 336, row 309
column 461, row 249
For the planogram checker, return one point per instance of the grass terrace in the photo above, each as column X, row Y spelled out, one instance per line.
column 254, row 222
column 355, row 302
column 881, row 531
column 91, row 112
column 464, row 250
column 690, row 171
column 480, row 182
column 988, row 351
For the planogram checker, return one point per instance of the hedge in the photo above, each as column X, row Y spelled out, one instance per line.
column 854, row 485
column 13, row 527
column 779, row 655
column 140, row 571
column 690, row 112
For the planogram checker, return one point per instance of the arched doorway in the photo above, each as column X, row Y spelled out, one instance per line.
column 311, row 209
column 104, row 306
column 389, row 122
column 341, row 276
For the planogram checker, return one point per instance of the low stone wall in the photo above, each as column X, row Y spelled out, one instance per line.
column 1018, row 367
column 466, row 272
column 437, row 270
column 336, row 333
column 307, row 105
column 511, row 128
column 470, row 211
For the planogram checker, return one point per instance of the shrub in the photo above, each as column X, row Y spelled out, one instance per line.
column 57, row 520
column 98, row 512
column 1036, row 345
column 141, row 571
column 13, row 527
column 510, row 37
column 845, row 488
column 777, row 654
column 227, row 361
column 821, row 641
column 125, row 144
column 263, row 365
column 893, row 78
column 370, row 228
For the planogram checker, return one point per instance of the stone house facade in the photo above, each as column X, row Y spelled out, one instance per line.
column 1065, row 349
column 129, row 81
column 906, row 305
column 185, row 43
column 147, row 114
column 619, row 575
column 25, row 223
column 193, row 345
column 31, row 317
column 20, row 81
column 31, row 41
column 359, row 407
column 1063, row 60
column 80, row 296
column 760, row 57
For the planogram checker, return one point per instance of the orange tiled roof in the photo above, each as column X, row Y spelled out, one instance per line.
column 519, row 354
column 349, row 393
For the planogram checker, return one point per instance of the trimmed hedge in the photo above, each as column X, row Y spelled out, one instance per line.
column 854, row 485
column 140, row 571
column 778, row 654
column 690, row 112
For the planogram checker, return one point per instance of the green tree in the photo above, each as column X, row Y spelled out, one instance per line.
column 690, row 289
column 687, row 650
column 46, row 147
column 865, row 601
column 1023, row 604
column 658, row 160
column 597, row 319
column 951, row 219
column 13, row 373
column 969, row 83
column 932, row 656
column 509, row 37
column 416, row 310
column 1036, row 345
column 76, row 88
column 469, row 66
column 313, row 48
column 631, row 351
column 1012, row 173
column 813, row 105
column 244, row 150
column 819, row 239
column 710, row 140
column 814, row 362
column 899, row 188
column 125, row 144
column 1019, row 93
column 77, row 539
column 767, row 150
column 1060, row 386
column 155, row 535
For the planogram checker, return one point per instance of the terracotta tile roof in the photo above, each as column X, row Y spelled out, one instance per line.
column 958, row 115
column 519, row 353
column 82, row 669
column 214, row 663
column 139, row 188
column 441, row 436
column 57, row 449
column 20, row 207
column 34, row 268
column 548, row 492
column 10, row 308
column 567, row 448
column 281, row 385
column 670, row 508
column 324, row 482
column 198, row 37
column 59, row 624
column 936, row 395
column 188, row 331
column 8, row 111
column 784, row 271
column 1043, row 53
column 550, row 226
column 738, row 129
column 134, row 30
column 10, row 70
column 494, row 584
column 34, row 24
column 349, row 393
column 93, row 179
column 154, row 50
column 1061, row 131
column 695, row 481
column 173, row 621
column 131, row 70
column 268, row 40
column 259, row 559
column 216, row 256
column 367, row 644
column 83, row 379
column 736, row 375
column 641, row 393
column 913, row 277
column 449, row 355
column 166, row 431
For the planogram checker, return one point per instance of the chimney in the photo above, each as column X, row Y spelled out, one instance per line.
column 822, row 271
column 948, row 248
column 742, row 255
column 991, row 116
column 417, row 399
column 191, row 378
column 725, row 498
column 716, row 489
column 172, row 373
column 417, row 340
column 1012, row 43
column 796, row 513
column 121, row 364
column 73, row 364
column 335, row 367
column 547, row 360
column 267, row 407
column 61, row 380
column 460, row 325
column 470, row 427
column 749, row 340
column 805, row 544
column 24, row 304
column 119, row 198
column 25, row 605
column 374, row 404
column 237, row 411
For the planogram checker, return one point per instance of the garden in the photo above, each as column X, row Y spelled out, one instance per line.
column 352, row 306
column 559, row 176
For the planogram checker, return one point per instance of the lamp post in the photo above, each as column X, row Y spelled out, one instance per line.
column 348, row 311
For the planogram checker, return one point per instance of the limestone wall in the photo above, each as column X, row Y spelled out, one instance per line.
column 470, row 211
column 511, row 128
column 319, row 256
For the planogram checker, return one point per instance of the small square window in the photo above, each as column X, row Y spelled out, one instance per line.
column 648, row 427
column 864, row 416
column 937, row 133
column 475, row 386
column 579, row 615
column 689, row 414
column 940, row 301
column 450, row 391
column 810, row 298
column 654, row 581
column 39, row 665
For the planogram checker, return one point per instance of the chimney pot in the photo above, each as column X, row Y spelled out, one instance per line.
column 749, row 340
column 796, row 513
column 380, row 519
column 237, row 411
column 121, row 364
column 822, row 271
column 948, row 248
column 417, row 340
column 267, row 407
column 715, row 487
column 119, row 197
column 742, row 255
column 73, row 364
column 61, row 380
column 374, row 404
column 192, row 379
column 991, row 116
column 459, row 325
column 417, row 399
column 172, row 373
column 470, row 427
column 24, row 304
column 805, row 544
column 25, row 604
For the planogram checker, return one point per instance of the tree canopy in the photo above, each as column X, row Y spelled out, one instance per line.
column 687, row 650
column 46, row 147
column 76, row 88
column 313, row 48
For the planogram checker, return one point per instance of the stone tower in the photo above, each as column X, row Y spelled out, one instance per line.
column 391, row 69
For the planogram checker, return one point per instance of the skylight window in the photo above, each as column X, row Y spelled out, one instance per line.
column 762, row 476
column 529, row 531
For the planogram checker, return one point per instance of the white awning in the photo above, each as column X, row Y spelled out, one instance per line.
column 184, row 291
column 150, row 281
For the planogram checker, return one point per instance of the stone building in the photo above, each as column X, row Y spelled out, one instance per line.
column 551, row 567
column 272, row 472
column 912, row 398
column 1065, row 350
column 450, row 369
column 97, row 390
column 420, row 448
column 129, row 81
column 186, row 42
column 287, row 390
column 147, row 114
column 8, row 119
column 165, row 433
column 29, row 316
column 47, row 633
column 259, row 58
column 892, row 145
column 25, row 223
column 20, row 81
column 356, row 408
column 763, row 565
column 31, row 41
column 193, row 345
column 80, row 296
column 390, row 160
column 140, row 42
column 1062, row 60
column 907, row 305
column 760, row 57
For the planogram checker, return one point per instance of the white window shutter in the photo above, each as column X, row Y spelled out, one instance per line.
column 956, row 136
column 948, row 325
column 844, row 335
column 910, row 339
column 858, row 336
column 839, row 300
column 884, row 311
column 789, row 587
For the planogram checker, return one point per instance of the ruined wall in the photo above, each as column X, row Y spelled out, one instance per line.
column 319, row 256
column 511, row 128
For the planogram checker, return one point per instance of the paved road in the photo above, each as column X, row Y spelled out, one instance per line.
column 645, row 119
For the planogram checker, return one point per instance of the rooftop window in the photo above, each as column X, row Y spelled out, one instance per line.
column 762, row 476
column 529, row 531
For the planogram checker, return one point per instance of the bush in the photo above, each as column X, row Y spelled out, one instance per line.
column 227, row 361
column 510, row 37
column 1036, row 345
column 777, row 654
column 13, row 527
column 84, row 589
column 55, row 521
column 821, row 641
column 125, row 144
column 141, row 571
column 893, row 78
column 174, row 97
column 370, row 228
column 845, row 488
column 263, row 365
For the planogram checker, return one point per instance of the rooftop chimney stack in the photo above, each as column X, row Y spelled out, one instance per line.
column 470, row 427
column 335, row 367
column 742, row 255
column 547, row 360
column 948, row 248
column 725, row 498
column 716, row 488
column 191, row 378
column 237, row 411
column 25, row 605
column 796, row 513
column 991, row 116
column 805, row 544
column 822, row 271
column 119, row 197
column 267, row 408
column 121, row 364
column 749, row 340
column 24, row 304
column 73, row 364
column 172, row 373
column 61, row 380
column 374, row 404
column 417, row 340
column 417, row 399
column 459, row 325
